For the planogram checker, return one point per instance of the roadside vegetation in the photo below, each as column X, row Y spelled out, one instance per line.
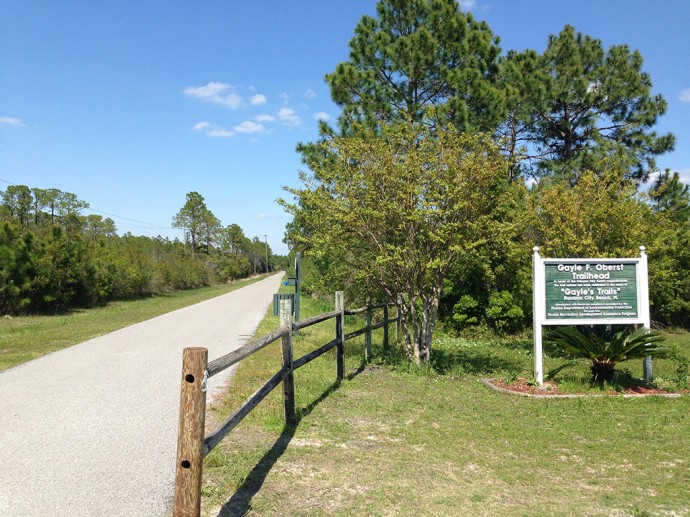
column 395, row 438
column 23, row 338
column 54, row 259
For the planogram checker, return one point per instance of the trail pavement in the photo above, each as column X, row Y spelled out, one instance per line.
column 92, row 430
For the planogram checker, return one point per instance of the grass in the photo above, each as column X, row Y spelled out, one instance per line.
column 28, row 337
column 393, row 439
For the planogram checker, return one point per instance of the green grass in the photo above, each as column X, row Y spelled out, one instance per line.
column 28, row 337
column 394, row 439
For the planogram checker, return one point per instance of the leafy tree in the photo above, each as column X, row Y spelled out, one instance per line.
column 597, row 103
column 399, row 209
column 64, row 278
column 669, row 263
column 671, row 196
column 196, row 219
column 17, row 260
column 45, row 199
column 17, row 202
column 603, row 215
column 96, row 227
column 68, row 208
column 523, row 80
column 232, row 239
column 418, row 53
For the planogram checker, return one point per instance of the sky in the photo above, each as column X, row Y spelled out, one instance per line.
column 132, row 105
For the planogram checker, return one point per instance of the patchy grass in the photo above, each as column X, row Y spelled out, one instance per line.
column 394, row 439
column 25, row 338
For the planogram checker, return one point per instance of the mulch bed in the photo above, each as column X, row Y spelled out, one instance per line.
column 550, row 389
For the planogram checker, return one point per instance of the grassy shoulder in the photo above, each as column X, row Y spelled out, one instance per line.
column 394, row 439
column 25, row 338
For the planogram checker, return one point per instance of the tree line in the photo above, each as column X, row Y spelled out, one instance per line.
column 451, row 159
column 53, row 258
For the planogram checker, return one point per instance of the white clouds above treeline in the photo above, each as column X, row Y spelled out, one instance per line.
column 684, row 96
column 228, row 96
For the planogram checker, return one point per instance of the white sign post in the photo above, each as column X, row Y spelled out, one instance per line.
column 588, row 291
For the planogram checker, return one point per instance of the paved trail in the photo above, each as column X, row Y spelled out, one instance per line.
column 92, row 429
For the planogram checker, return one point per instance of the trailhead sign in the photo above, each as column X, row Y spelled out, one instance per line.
column 589, row 289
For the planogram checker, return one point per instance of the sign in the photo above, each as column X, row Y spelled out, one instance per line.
column 591, row 290
column 588, row 291
column 291, row 281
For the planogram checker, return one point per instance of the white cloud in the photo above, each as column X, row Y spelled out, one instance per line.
column 468, row 5
column 322, row 115
column 289, row 117
column 684, row 96
column 265, row 118
column 310, row 94
column 220, row 133
column 249, row 127
column 285, row 96
column 257, row 100
column 213, row 130
column 12, row 121
column 200, row 126
column 216, row 93
column 684, row 176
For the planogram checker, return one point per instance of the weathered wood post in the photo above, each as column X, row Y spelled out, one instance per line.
column 386, row 344
column 289, row 381
column 340, row 334
column 367, row 334
column 190, row 437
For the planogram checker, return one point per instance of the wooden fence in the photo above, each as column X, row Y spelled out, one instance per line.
column 193, row 445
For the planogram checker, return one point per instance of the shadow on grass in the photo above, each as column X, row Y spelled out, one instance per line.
column 241, row 501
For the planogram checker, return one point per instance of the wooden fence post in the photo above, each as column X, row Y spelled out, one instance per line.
column 386, row 344
column 190, row 438
column 289, row 381
column 367, row 334
column 339, row 334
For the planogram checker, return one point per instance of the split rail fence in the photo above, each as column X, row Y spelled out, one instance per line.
column 193, row 445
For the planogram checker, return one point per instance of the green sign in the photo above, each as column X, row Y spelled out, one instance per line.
column 591, row 290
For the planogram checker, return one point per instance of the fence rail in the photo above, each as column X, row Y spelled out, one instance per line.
column 192, row 446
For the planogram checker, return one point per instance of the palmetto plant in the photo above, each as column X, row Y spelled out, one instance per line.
column 606, row 352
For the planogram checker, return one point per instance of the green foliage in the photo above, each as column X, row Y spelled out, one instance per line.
column 605, row 352
column 416, row 54
column 53, row 259
column 603, row 215
column 578, row 117
column 198, row 222
column 503, row 314
column 466, row 312
column 17, row 261
column 586, row 103
column 394, row 211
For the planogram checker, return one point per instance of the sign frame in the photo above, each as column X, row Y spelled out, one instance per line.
column 640, row 294
column 540, row 317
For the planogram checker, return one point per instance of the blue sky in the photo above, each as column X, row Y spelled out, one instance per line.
column 131, row 105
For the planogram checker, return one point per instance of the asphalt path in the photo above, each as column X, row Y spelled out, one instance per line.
column 92, row 429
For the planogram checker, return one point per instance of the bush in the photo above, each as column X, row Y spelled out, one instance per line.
column 503, row 314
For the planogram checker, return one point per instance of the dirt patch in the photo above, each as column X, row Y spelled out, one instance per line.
column 550, row 389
